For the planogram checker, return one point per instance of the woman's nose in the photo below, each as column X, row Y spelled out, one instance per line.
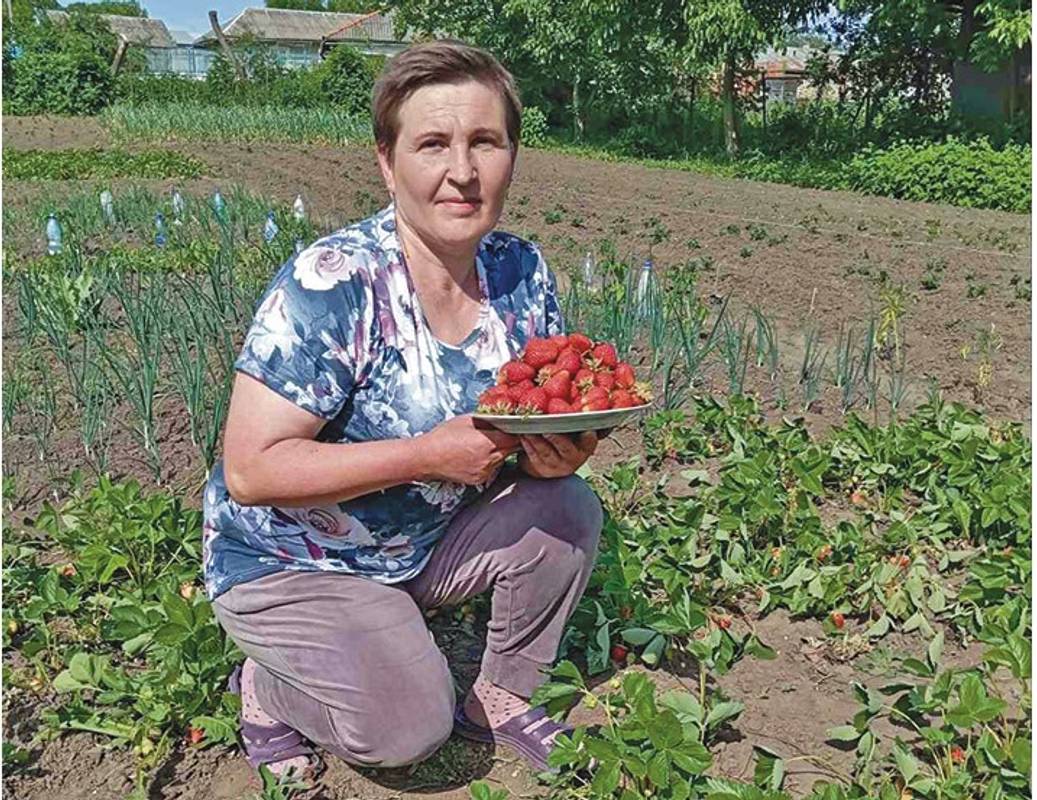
column 462, row 169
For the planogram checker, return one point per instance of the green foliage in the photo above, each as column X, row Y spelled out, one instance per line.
column 971, row 174
column 62, row 69
column 123, row 8
column 345, row 80
column 40, row 165
column 534, row 127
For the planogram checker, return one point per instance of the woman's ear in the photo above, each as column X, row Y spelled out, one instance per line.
column 385, row 165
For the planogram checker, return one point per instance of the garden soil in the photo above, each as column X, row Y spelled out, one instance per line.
column 803, row 257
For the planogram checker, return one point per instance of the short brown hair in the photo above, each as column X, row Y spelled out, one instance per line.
column 441, row 61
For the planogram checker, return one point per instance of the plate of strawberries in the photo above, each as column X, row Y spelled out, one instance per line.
column 563, row 384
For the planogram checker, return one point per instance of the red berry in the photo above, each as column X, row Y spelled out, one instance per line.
column 540, row 352
column 580, row 343
column 557, row 406
column 723, row 622
column 621, row 398
column 618, row 653
column 606, row 380
column 558, row 385
column 195, row 735
column 535, row 401
column 561, row 340
column 515, row 372
column 605, row 355
column 838, row 620
column 575, row 393
column 569, row 359
column 518, row 392
column 496, row 400
column 624, row 375
column 584, row 377
column 957, row 755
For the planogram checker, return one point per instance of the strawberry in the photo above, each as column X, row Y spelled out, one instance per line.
column 624, row 375
column 495, row 400
column 606, row 380
column 621, row 398
column 605, row 355
column 723, row 621
column 558, row 385
column 544, row 374
column 618, row 653
column 957, row 755
column 643, row 391
column 195, row 735
column 561, row 340
column 535, row 402
column 518, row 392
column 540, row 352
column 595, row 399
column 575, row 393
column 858, row 498
column 585, row 378
column 515, row 372
column 824, row 552
column 569, row 359
column 558, row 406
column 838, row 619
column 580, row 343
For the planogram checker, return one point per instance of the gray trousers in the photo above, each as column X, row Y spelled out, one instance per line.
column 350, row 663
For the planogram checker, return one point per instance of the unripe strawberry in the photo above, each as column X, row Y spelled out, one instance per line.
column 824, row 552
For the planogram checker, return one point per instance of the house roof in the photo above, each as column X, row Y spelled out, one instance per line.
column 373, row 26
column 182, row 37
column 282, row 24
column 135, row 30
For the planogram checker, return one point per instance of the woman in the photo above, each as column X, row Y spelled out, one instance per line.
column 356, row 490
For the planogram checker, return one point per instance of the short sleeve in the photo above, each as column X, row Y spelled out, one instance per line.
column 308, row 340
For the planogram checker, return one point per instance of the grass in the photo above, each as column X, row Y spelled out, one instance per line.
column 40, row 165
column 158, row 123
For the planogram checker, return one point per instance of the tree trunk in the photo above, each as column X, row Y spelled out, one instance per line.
column 214, row 21
column 577, row 111
column 120, row 53
column 730, row 111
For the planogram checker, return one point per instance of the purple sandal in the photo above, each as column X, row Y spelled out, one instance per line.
column 268, row 744
column 528, row 734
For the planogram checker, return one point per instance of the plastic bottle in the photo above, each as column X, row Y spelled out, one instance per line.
column 270, row 228
column 218, row 205
column 160, row 230
column 644, row 284
column 178, row 207
column 298, row 208
column 299, row 245
column 588, row 271
column 53, row 235
column 108, row 207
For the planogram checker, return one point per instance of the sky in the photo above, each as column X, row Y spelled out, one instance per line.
column 193, row 15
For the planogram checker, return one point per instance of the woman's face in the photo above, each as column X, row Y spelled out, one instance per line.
column 452, row 163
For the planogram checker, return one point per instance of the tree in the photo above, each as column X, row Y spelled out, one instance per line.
column 726, row 34
column 122, row 8
column 340, row 6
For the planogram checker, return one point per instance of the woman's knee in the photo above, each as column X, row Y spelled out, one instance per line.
column 569, row 509
column 412, row 721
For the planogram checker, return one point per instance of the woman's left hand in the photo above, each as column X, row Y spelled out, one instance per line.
column 555, row 455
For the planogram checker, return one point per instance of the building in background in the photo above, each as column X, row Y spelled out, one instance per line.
column 299, row 38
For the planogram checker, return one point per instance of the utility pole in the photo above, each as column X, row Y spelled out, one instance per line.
column 214, row 21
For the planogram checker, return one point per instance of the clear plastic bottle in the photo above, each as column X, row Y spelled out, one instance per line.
column 218, row 204
column 160, row 230
column 644, row 286
column 53, row 235
column 588, row 271
column 178, row 207
column 299, row 245
column 108, row 207
column 299, row 208
column 270, row 228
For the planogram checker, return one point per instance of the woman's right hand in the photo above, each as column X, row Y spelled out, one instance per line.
column 460, row 452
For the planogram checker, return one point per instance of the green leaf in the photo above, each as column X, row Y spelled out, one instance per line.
column 682, row 703
column 879, row 628
column 1021, row 748
column 843, row 733
column 723, row 711
column 659, row 769
column 757, row 648
column 769, row 772
column 651, row 654
column 935, row 650
column 638, row 636
column 567, row 669
column 606, row 779
column 692, row 757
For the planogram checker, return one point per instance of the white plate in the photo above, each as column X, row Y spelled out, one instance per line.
column 562, row 423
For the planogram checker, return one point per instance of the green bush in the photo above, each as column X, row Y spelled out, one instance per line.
column 59, row 69
column 345, row 80
column 971, row 174
column 534, row 126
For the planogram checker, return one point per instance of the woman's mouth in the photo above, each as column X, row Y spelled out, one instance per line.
column 461, row 204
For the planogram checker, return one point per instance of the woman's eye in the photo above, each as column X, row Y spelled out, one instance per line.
column 431, row 144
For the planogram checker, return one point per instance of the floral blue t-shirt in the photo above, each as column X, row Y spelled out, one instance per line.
column 340, row 332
